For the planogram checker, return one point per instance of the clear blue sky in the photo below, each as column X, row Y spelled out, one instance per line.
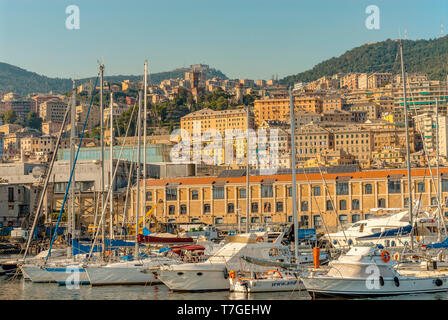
column 243, row 38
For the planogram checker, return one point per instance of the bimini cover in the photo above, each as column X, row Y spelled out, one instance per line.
column 438, row 245
column 402, row 231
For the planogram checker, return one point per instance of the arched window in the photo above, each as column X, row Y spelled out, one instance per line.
column 381, row 203
column 304, row 206
column 342, row 204
column 355, row 204
column 368, row 189
column 355, row 218
column 230, row 208
column 267, row 207
column 329, row 205
column 421, row 187
column 183, row 209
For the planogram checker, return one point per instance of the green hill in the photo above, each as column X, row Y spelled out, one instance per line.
column 425, row 56
column 23, row 82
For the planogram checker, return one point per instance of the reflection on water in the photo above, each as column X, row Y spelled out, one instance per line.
column 24, row 290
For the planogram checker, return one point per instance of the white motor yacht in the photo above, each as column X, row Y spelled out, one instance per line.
column 364, row 271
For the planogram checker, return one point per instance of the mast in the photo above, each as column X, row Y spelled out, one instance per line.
column 294, row 183
column 247, row 172
column 439, row 189
column 72, row 160
column 102, row 154
column 408, row 156
column 111, row 152
column 144, row 135
column 139, row 126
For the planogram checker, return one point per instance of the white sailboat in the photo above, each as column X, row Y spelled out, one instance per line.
column 213, row 274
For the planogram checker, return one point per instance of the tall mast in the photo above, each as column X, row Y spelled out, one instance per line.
column 247, row 171
column 71, row 218
column 111, row 152
column 439, row 189
column 293, row 172
column 137, row 211
column 102, row 154
column 144, row 135
column 408, row 156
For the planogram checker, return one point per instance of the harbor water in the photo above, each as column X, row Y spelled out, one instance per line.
column 19, row 289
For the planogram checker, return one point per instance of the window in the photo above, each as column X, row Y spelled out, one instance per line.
column 10, row 194
column 194, row 194
column 219, row 220
column 317, row 220
column 329, row 205
column 266, row 191
column 406, row 202
column 304, row 206
column 433, row 201
column 355, row 218
column 368, row 189
column 341, row 188
column 171, row 194
column 206, row 208
column 149, row 196
column 444, row 185
column 343, row 219
column 316, row 191
column 279, row 206
column 243, row 219
column 342, row 205
column 267, row 219
column 183, row 209
column 254, row 207
column 242, row 192
column 421, row 187
column 267, row 207
column 289, row 218
column 394, row 186
column 230, row 208
column 218, row 192
column 195, row 220
column 255, row 219
column 367, row 216
column 304, row 221
column 171, row 209
column 355, row 204
column 289, row 191
column 381, row 203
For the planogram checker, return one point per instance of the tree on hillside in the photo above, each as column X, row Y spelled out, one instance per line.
column 32, row 120
column 10, row 116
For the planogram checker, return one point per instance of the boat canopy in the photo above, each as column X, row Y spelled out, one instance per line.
column 402, row 231
column 438, row 245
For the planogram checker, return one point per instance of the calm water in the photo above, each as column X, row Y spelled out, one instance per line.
column 24, row 290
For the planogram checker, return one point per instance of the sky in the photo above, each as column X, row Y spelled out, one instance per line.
column 252, row 39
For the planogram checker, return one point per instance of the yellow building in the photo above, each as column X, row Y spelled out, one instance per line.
column 347, row 196
column 278, row 109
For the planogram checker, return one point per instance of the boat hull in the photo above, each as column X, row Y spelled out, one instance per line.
column 36, row 274
column 103, row 276
column 66, row 275
column 195, row 280
column 266, row 285
column 337, row 287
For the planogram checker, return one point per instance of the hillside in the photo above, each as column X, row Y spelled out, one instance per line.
column 23, row 82
column 426, row 56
